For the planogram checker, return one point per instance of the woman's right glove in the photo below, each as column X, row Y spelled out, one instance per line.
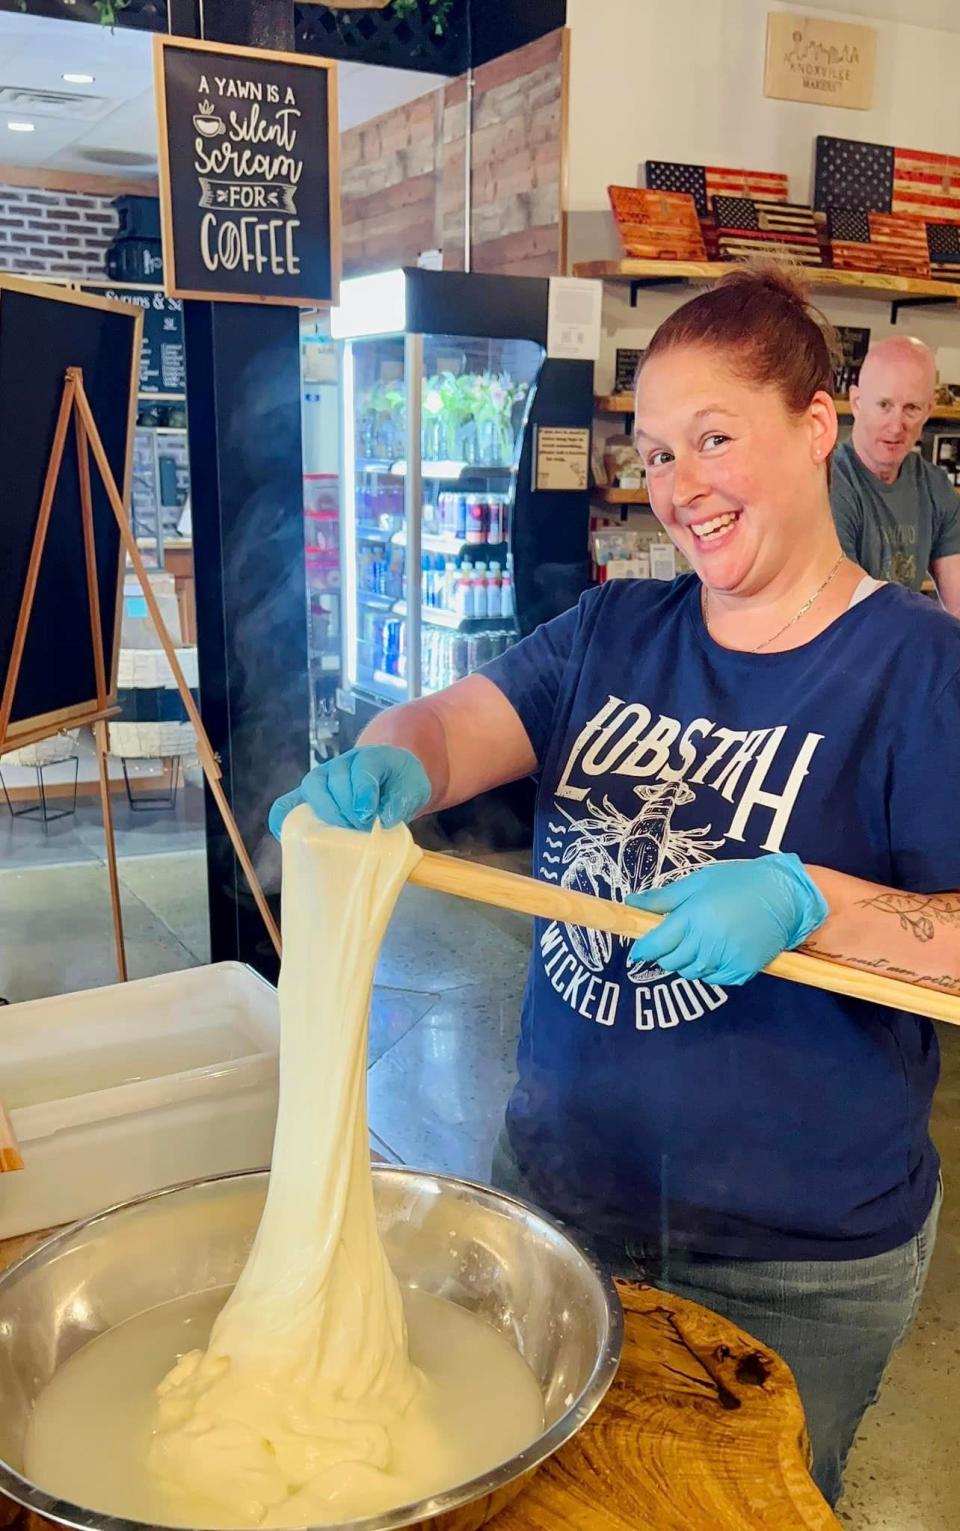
column 351, row 791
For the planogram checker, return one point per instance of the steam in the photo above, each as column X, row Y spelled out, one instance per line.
column 270, row 714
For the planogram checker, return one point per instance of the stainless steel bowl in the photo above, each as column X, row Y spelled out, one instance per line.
column 498, row 1257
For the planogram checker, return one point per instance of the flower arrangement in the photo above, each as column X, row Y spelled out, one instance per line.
column 467, row 417
column 382, row 422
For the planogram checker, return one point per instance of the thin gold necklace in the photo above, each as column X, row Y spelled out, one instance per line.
column 780, row 630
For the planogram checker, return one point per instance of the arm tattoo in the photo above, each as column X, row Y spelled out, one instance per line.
column 948, row 982
column 918, row 913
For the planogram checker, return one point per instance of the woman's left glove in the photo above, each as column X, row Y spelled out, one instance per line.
column 727, row 920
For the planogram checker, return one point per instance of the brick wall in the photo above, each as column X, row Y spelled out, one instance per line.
column 388, row 180
column 518, row 160
column 54, row 233
column 403, row 173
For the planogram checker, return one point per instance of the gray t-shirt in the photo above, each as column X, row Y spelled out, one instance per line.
column 894, row 531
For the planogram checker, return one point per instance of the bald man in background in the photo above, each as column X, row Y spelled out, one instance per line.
column 897, row 515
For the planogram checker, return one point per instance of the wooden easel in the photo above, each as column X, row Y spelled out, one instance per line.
column 75, row 407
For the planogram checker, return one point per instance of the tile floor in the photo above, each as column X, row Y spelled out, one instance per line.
column 443, row 1036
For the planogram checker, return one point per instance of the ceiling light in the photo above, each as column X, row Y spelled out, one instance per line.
column 78, row 79
column 20, row 127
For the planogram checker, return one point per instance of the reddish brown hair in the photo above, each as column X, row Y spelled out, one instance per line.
column 762, row 321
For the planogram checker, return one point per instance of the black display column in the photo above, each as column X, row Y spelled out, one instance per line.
column 243, row 388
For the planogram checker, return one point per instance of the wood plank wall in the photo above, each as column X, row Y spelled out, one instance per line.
column 403, row 172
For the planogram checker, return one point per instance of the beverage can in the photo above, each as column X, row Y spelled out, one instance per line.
column 459, row 657
column 484, row 649
column 475, row 520
column 460, row 516
column 495, row 529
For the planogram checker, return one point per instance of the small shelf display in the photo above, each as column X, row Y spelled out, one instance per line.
column 608, row 494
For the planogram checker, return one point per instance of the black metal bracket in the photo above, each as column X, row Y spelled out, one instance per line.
column 930, row 302
column 649, row 281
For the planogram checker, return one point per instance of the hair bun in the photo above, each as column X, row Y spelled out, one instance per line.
column 785, row 278
column 760, row 318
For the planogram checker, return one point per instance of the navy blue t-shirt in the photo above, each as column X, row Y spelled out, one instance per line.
column 771, row 1121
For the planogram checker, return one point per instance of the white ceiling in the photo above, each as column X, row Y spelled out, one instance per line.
column 109, row 126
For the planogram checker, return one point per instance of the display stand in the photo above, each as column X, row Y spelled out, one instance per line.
column 103, row 712
column 75, row 406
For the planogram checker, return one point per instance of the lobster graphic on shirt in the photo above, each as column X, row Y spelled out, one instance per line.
column 609, row 855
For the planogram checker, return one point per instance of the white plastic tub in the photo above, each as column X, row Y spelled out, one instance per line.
column 116, row 1091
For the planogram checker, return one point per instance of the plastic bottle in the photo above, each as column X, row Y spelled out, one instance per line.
column 450, row 572
column 494, row 590
column 425, row 579
column 506, row 596
column 464, row 606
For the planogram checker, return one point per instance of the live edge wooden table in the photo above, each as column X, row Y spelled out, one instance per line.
column 702, row 1430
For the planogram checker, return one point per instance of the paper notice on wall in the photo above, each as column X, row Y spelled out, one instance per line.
column 561, row 457
column 573, row 319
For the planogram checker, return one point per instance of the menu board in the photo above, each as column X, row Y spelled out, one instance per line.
column 162, row 358
column 249, row 195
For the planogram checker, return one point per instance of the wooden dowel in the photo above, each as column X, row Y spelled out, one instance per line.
column 110, row 840
column 100, row 675
column 90, row 559
column 36, row 555
column 208, row 759
column 506, row 890
column 10, row 1158
column 18, row 739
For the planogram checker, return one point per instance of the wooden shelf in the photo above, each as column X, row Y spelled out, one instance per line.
column 622, row 404
column 609, row 496
column 867, row 283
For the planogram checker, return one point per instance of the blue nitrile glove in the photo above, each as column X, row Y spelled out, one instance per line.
column 726, row 921
column 373, row 781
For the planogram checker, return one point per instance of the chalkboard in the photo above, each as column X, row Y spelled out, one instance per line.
column 43, row 331
column 249, row 197
column 162, row 358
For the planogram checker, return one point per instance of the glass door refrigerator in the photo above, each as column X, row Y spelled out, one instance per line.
column 320, row 420
column 448, row 552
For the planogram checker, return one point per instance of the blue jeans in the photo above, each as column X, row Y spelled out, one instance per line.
column 835, row 1322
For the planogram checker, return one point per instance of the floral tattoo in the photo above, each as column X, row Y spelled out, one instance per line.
column 918, row 913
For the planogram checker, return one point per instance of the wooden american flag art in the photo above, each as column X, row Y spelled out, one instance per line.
column 657, row 225
column 783, row 230
column 704, row 182
column 943, row 246
column 877, row 178
column 868, row 241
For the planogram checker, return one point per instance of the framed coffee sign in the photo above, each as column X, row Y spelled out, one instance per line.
column 249, row 189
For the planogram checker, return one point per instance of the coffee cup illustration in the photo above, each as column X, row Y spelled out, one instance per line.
column 206, row 121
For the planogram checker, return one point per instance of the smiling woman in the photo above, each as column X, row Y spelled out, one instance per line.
column 735, row 422
column 763, row 752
